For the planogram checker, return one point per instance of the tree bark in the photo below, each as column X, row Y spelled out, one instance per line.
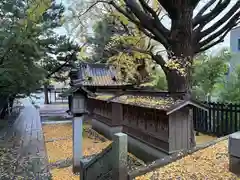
column 176, row 82
column 181, row 49
column 45, row 89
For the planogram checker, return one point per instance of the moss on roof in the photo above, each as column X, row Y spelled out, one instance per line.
column 147, row 100
column 103, row 97
column 143, row 101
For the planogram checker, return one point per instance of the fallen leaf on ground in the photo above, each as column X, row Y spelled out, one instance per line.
column 210, row 163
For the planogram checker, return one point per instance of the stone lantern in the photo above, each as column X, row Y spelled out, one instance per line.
column 79, row 111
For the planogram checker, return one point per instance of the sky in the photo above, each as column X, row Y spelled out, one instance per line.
column 165, row 21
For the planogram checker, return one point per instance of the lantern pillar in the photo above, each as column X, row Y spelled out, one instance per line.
column 78, row 108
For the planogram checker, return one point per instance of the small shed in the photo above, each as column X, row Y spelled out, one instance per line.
column 156, row 118
column 160, row 120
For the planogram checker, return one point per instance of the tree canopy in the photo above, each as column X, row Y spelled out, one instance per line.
column 188, row 34
column 30, row 50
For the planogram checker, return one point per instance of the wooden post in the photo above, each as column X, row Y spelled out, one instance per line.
column 50, row 96
column 77, row 142
column 55, row 96
column 119, row 156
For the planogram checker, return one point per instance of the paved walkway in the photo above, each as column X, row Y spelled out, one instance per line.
column 25, row 157
column 53, row 110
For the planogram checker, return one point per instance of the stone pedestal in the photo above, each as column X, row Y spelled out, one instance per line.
column 234, row 153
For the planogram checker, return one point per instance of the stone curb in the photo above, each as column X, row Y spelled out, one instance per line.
column 58, row 139
column 57, row 122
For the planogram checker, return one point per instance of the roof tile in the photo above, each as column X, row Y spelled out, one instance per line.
column 97, row 75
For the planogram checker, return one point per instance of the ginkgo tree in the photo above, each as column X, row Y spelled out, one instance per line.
column 194, row 27
column 120, row 43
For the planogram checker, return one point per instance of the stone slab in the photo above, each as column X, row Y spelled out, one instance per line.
column 234, row 144
column 234, row 165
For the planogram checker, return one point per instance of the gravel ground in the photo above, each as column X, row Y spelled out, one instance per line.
column 207, row 164
column 60, row 151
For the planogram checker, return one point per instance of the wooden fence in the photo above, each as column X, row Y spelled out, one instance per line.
column 220, row 120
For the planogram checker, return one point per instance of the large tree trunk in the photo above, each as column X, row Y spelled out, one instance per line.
column 45, row 89
column 181, row 49
column 176, row 82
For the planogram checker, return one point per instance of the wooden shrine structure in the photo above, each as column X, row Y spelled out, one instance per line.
column 157, row 123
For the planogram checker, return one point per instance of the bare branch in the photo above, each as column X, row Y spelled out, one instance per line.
column 204, row 8
column 231, row 23
column 220, row 40
column 90, row 7
column 159, row 60
column 152, row 25
column 204, row 19
column 222, row 20
column 135, row 21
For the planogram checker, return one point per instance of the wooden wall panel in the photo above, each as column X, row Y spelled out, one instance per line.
column 179, row 131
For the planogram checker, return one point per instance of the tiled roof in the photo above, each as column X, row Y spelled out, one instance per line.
column 97, row 75
column 165, row 103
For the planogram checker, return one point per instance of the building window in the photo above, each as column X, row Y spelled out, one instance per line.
column 239, row 44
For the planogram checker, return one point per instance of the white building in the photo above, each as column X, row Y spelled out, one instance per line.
column 235, row 48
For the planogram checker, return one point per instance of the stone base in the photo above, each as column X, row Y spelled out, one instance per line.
column 141, row 150
column 76, row 170
column 234, row 165
column 104, row 129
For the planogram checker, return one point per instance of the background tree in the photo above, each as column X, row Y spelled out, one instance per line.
column 120, row 43
column 19, row 50
column 60, row 56
column 230, row 90
column 209, row 73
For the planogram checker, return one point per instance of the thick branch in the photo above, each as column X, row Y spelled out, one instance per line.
column 159, row 60
column 154, row 34
column 225, row 18
column 168, row 6
column 147, row 22
column 204, row 19
column 204, row 9
column 157, row 21
column 210, row 45
column 231, row 23
column 213, row 43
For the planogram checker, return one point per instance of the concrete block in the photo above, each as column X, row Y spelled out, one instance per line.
column 119, row 156
column 234, row 144
column 82, row 169
column 234, row 165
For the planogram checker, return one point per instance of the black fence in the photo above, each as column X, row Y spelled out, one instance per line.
column 220, row 120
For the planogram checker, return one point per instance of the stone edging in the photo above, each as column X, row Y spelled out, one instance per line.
column 58, row 139
column 57, row 122
column 169, row 159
